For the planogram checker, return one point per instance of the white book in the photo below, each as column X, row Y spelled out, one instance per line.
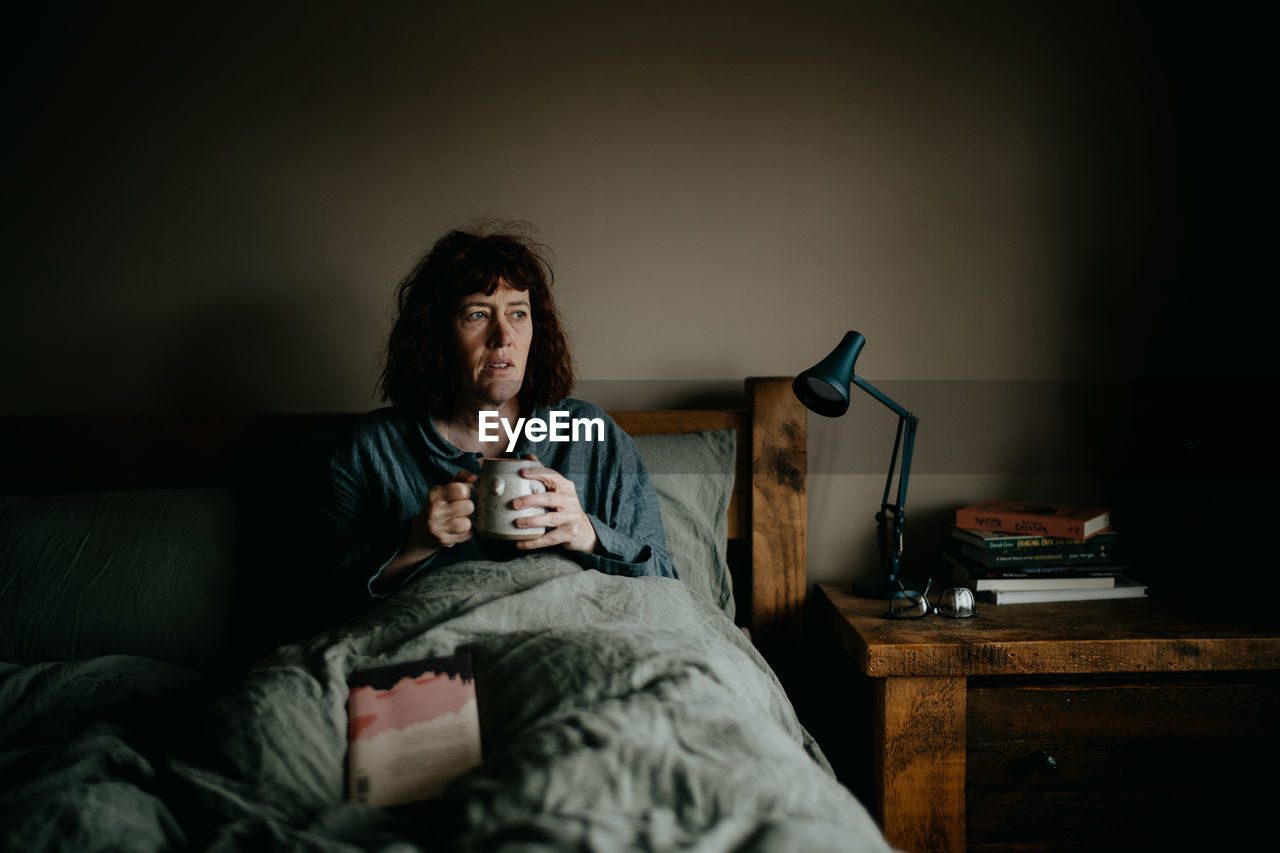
column 1123, row 588
column 1041, row 584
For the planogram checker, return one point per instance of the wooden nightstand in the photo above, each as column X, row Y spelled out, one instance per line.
column 1065, row 724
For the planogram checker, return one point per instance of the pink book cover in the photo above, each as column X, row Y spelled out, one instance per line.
column 412, row 728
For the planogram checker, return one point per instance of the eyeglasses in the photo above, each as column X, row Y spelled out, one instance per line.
column 954, row 603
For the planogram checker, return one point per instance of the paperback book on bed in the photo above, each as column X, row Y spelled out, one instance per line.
column 412, row 728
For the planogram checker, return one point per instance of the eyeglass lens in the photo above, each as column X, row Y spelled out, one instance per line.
column 909, row 603
column 954, row 603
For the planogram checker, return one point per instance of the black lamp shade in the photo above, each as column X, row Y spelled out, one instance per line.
column 824, row 388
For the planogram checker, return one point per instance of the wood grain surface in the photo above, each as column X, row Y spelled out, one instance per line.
column 1127, row 635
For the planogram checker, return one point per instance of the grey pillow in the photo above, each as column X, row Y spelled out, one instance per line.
column 148, row 573
column 693, row 476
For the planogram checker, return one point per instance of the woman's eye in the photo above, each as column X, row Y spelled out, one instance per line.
column 519, row 315
column 474, row 315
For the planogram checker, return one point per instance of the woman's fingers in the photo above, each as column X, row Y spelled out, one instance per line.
column 552, row 479
column 546, row 541
column 549, row 500
column 448, row 509
column 454, row 523
column 569, row 525
column 546, row 519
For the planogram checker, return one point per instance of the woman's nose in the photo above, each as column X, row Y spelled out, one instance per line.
column 500, row 335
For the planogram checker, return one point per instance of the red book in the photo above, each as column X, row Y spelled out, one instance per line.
column 1074, row 522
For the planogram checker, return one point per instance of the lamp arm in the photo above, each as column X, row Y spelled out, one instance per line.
column 904, row 418
column 879, row 395
column 911, row 422
column 892, row 516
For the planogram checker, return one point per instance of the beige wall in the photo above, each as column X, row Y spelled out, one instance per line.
column 209, row 209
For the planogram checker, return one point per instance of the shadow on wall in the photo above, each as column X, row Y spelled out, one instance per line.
column 276, row 347
column 267, row 353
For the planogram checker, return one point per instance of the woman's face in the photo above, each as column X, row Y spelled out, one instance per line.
column 493, row 335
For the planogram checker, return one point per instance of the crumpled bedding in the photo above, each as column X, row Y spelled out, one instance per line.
column 616, row 714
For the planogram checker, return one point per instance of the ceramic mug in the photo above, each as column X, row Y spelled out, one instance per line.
column 500, row 483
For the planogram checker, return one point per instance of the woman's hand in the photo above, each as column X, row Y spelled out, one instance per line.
column 443, row 522
column 569, row 525
column 445, row 518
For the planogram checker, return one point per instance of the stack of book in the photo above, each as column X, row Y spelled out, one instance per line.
column 1010, row 552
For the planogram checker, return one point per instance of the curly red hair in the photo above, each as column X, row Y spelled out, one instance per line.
column 421, row 373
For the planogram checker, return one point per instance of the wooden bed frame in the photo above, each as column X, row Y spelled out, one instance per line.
column 46, row 454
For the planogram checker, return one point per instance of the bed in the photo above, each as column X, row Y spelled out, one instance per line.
column 172, row 676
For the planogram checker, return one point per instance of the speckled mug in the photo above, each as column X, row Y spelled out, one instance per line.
column 500, row 483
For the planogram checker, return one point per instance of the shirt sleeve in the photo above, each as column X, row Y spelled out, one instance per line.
column 359, row 545
column 626, row 516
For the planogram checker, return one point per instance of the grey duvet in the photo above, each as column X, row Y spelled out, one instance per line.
column 616, row 714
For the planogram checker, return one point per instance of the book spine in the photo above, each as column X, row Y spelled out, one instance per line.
column 1129, row 590
column 1038, row 556
column 977, row 541
column 1008, row 544
column 1020, row 572
column 972, row 570
column 1008, row 522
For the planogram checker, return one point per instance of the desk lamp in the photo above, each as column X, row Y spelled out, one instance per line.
column 824, row 388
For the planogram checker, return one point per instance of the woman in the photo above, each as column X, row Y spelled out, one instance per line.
column 478, row 333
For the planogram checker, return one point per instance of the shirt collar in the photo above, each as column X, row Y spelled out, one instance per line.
column 441, row 449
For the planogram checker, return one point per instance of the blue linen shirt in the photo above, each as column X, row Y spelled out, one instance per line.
column 380, row 476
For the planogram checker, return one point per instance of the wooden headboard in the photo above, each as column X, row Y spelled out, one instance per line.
column 768, row 513
column 46, row 454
